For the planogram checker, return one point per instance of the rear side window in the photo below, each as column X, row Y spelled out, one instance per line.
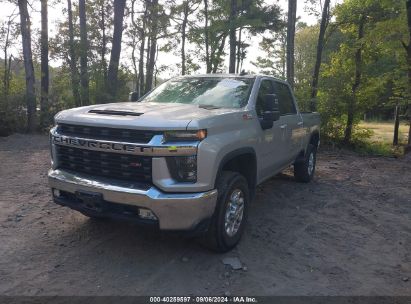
column 285, row 98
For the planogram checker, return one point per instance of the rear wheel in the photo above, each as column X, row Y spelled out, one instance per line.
column 304, row 170
column 230, row 215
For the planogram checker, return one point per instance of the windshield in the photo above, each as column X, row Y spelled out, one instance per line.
column 212, row 92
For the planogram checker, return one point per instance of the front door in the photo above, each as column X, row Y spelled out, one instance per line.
column 271, row 141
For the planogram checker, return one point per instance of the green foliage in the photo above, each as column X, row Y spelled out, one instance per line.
column 12, row 106
column 273, row 62
column 305, row 55
column 253, row 17
column 384, row 78
column 384, row 83
column 366, row 147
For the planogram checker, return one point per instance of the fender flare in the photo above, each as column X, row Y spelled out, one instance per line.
column 233, row 154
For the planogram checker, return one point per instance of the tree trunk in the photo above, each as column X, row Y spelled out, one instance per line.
column 73, row 60
column 140, row 73
column 134, row 59
column 217, row 56
column 153, row 45
column 183, row 39
column 103, row 42
column 206, row 38
column 84, row 78
column 28, row 66
column 320, row 46
column 409, row 87
column 9, row 74
column 238, row 51
column 292, row 15
column 155, row 68
column 284, row 56
column 44, row 106
column 5, row 63
column 112, row 76
column 147, row 57
column 396, row 125
column 6, row 79
column 408, row 6
column 233, row 44
column 141, row 64
column 409, row 106
column 151, row 63
column 133, row 51
column 357, row 82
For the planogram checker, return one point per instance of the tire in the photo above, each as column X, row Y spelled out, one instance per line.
column 232, row 189
column 303, row 171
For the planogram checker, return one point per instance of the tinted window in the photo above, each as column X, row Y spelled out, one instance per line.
column 213, row 91
column 266, row 87
column 286, row 102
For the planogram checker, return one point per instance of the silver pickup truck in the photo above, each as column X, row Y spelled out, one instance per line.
column 187, row 156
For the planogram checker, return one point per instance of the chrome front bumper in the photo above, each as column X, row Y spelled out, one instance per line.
column 175, row 211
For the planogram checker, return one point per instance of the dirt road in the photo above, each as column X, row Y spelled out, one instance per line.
column 346, row 233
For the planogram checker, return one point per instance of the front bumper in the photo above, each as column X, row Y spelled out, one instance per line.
column 174, row 211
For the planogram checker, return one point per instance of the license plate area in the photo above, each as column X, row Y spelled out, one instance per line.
column 92, row 201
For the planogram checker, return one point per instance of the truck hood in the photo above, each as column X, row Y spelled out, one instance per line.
column 138, row 115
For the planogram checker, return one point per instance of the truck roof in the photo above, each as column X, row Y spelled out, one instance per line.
column 245, row 76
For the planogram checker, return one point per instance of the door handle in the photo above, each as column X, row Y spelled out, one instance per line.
column 300, row 123
column 283, row 126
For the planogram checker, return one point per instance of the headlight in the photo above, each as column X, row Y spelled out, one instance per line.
column 194, row 135
column 183, row 168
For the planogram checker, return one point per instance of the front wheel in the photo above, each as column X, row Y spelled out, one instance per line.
column 231, row 211
column 304, row 170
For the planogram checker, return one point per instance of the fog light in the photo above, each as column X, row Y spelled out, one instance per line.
column 56, row 192
column 146, row 214
column 183, row 168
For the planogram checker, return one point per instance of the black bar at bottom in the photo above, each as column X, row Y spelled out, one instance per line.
column 205, row 299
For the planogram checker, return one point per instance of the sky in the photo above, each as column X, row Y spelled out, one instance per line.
column 56, row 14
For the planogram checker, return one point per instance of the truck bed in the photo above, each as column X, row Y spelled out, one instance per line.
column 311, row 119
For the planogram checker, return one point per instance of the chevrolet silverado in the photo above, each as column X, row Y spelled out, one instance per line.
column 186, row 156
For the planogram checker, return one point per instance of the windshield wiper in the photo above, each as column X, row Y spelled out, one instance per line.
column 208, row 107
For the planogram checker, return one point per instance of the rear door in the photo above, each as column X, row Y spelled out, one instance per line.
column 291, row 122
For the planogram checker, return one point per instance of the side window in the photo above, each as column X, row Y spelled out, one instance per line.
column 266, row 87
column 286, row 102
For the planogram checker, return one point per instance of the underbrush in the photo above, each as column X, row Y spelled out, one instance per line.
column 379, row 149
column 365, row 142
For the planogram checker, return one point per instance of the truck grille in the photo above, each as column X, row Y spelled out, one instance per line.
column 110, row 134
column 118, row 166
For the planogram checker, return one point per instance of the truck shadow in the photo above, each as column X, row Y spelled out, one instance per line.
column 113, row 236
column 318, row 236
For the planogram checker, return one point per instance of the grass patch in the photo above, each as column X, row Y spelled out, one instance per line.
column 383, row 132
column 379, row 141
column 378, row 149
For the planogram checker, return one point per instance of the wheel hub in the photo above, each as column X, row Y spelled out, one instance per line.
column 234, row 212
column 311, row 163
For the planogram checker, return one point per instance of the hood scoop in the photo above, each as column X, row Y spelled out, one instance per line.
column 115, row 112
column 208, row 107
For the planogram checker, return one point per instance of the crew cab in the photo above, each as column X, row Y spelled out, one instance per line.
column 186, row 156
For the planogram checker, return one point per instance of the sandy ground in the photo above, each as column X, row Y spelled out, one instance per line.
column 346, row 233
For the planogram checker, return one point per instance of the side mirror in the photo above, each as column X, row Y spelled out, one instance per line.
column 271, row 111
column 133, row 96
